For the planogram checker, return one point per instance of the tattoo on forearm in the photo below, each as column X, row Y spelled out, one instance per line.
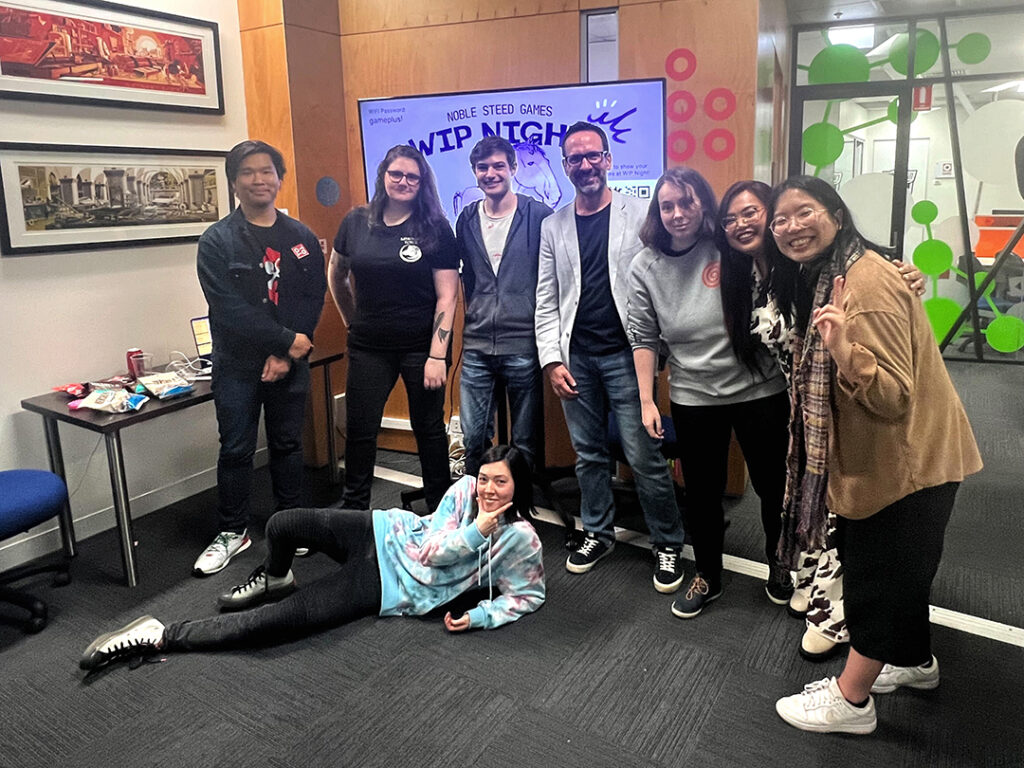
column 442, row 334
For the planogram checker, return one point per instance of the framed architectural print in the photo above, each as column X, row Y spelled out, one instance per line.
column 61, row 198
column 110, row 54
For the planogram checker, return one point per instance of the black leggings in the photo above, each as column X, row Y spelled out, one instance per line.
column 352, row 592
column 704, row 431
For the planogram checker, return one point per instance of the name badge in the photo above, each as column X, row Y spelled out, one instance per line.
column 300, row 251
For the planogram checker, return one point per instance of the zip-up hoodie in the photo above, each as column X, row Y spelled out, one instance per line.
column 499, row 308
column 428, row 561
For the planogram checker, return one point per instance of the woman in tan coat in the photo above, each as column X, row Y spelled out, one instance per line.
column 879, row 435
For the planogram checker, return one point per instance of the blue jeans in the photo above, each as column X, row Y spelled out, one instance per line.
column 480, row 373
column 603, row 382
column 238, row 396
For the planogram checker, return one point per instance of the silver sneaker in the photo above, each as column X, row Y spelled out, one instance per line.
column 258, row 588
column 216, row 556
column 922, row 678
column 142, row 637
column 821, row 707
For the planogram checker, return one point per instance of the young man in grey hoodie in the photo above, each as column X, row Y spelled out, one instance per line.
column 499, row 239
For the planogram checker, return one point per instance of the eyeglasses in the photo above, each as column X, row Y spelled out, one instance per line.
column 593, row 158
column 750, row 213
column 801, row 218
column 412, row 178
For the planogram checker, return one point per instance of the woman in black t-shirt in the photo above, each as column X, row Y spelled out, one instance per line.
column 401, row 251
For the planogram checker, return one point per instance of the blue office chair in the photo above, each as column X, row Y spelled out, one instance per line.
column 29, row 497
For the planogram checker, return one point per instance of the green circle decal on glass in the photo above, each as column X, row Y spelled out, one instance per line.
column 839, row 64
column 893, row 110
column 933, row 257
column 973, row 48
column 925, row 56
column 942, row 313
column 1005, row 333
column 924, row 212
column 822, row 144
column 978, row 278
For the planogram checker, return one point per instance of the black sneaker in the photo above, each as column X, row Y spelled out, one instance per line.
column 698, row 594
column 779, row 586
column 668, row 569
column 587, row 554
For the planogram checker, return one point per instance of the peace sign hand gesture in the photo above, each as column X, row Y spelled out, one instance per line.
column 830, row 320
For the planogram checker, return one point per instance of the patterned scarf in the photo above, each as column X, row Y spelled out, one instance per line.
column 805, row 516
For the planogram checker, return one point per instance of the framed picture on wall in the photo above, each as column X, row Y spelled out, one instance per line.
column 109, row 54
column 62, row 198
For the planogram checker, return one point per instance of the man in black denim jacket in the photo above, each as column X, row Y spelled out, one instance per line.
column 263, row 276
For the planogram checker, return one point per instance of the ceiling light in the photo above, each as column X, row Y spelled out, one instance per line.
column 858, row 37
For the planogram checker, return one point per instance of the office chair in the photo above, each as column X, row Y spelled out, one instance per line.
column 29, row 497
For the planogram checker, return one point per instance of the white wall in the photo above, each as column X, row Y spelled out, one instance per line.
column 71, row 316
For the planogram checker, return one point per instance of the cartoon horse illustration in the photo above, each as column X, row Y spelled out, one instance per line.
column 534, row 177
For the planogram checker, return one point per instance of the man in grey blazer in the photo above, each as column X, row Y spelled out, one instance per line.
column 582, row 293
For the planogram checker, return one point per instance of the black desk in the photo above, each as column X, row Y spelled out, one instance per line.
column 53, row 407
column 324, row 360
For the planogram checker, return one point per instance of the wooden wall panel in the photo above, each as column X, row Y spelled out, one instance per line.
column 267, row 99
column 316, row 15
column 253, row 14
column 359, row 16
column 517, row 53
column 726, row 59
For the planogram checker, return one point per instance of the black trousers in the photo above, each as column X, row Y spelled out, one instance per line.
column 889, row 562
column 704, row 432
column 351, row 593
column 371, row 377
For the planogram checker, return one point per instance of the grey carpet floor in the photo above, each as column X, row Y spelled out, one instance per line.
column 602, row 675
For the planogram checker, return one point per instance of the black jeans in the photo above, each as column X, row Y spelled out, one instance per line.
column 371, row 377
column 351, row 593
column 704, row 433
column 238, row 396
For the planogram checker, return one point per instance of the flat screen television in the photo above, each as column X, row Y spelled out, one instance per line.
column 445, row 127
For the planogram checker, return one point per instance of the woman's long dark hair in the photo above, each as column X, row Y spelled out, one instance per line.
column 522, row 480
column 427, row 215
column 737, row 299
column 653, row 233
column 785, row 280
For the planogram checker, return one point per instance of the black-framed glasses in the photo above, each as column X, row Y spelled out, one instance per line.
column 411, row 178
column 750, row 213
column 801, row 218
column 574, row 161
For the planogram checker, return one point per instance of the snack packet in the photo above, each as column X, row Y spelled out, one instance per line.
column 110, row 400
column 166, row 385
column 75, row 389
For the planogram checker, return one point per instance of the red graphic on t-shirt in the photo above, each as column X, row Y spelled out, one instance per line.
column 272, row 266
column 712, row 275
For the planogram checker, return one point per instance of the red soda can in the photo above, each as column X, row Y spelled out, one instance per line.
column 128, row 359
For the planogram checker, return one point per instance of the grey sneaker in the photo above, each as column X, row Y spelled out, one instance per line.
column 216, row 556
column 821, row 707
column 258, row 588
column 698, row 594
column 142, row 637
column 922, row 678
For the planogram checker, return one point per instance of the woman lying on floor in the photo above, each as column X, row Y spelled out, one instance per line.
column 392, row 563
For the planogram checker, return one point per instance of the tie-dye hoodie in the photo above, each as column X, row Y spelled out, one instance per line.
column 427, row 561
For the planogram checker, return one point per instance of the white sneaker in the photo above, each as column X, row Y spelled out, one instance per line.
column 891, row 678
column 821, row 707
column 142, row 637
column 258, row 588
column 220, row 552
